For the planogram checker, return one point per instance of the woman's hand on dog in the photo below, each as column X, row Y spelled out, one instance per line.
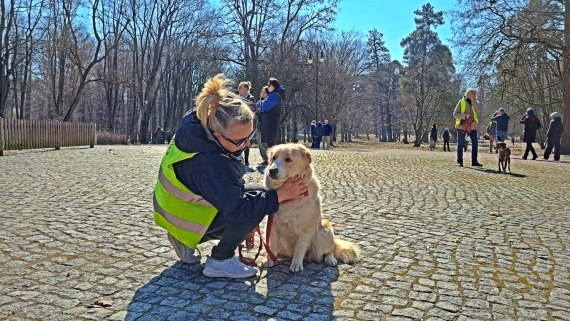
column 292, row 188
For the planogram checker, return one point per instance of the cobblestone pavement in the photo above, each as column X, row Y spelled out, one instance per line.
column 438, row 242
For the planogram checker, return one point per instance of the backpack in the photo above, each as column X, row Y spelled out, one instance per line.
column 319, row 131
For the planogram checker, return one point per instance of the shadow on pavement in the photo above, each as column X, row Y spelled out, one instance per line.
column 492, row 171
column 182, row 292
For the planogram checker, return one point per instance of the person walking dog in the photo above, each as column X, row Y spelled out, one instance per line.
column 466, row 122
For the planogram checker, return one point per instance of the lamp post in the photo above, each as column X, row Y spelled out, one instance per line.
column 310, row 61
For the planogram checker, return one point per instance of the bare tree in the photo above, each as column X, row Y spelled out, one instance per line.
column 84, row 62
column 7, row 21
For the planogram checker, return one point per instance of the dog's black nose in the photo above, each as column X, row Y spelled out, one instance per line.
column 273, row 171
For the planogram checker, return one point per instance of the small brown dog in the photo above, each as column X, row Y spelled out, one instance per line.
column 504, row 156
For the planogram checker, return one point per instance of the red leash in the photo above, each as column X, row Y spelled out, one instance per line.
column 249, row 241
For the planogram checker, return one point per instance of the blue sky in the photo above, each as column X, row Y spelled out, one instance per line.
column 393, row 18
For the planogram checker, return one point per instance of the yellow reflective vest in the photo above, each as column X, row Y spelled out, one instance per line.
column 178, row 210
column 463, row 107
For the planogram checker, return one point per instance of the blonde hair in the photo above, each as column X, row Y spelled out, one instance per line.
column 246, row 84
column 218, row 107
column 470, row 90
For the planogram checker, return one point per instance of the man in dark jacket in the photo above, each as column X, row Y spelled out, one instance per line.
column 446, row 140
column 313, row 126
column 502, row 120
column 319, row 132
column 243, row 90
column 531, row 125
column 553, row 136
column 271, row 112
column 327, row 135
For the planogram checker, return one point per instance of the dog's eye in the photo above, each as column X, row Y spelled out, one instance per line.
column 288, row 160
column 274, row 157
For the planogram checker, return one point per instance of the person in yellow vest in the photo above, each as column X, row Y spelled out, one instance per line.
column 466, row 121
column 200, row 193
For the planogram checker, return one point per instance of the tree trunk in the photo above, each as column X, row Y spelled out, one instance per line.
column 565, row 144
column 389, row 125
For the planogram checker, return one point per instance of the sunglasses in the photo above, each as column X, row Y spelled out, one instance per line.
column 241, row 142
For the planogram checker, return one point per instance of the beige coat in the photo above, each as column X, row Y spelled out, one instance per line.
column 457, row 114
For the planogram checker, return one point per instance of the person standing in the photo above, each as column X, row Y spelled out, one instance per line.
column 154, row 139
column 313, row 126
column 327, row 135
column 433, row 137
column 466, row 122
column 502, row 120
column 531, row 125
column 553, row 136
column 446, row 140
column 492, row 133
column 168, row 135
column 271, row 112
column 200, row 193
column 159, row 136
column 319, row 132
column 243, row 90
column 262, row 146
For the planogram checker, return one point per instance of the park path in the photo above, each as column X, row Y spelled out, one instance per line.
column 438, row 242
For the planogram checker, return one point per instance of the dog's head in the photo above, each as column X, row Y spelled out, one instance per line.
column 501, row 146
column 286, row 161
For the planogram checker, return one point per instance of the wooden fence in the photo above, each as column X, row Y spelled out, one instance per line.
column 18, row 134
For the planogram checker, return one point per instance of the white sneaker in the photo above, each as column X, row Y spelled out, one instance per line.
column 185, row 254
column 229, row 268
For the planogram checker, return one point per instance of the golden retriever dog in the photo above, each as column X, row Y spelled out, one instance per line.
column 299, row 230
column 504, row 156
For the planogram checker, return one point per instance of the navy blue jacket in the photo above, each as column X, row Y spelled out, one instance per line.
column 502, row 121
column 271, row 116
column 217, row 176
column 328, row 129
column 433, row 134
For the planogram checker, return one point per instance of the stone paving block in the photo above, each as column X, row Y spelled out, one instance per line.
column 80, row 230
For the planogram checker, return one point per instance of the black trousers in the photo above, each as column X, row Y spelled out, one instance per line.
column 317, row 142
column 231, row 235
column 529, row 148
column 446, row 143
column 553, row 142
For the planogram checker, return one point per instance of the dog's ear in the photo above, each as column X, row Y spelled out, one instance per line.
column 270, row 152
column 305, row 152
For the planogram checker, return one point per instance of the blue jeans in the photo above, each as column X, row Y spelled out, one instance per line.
column 231, row 235
column 501, row 136
column 461, row 142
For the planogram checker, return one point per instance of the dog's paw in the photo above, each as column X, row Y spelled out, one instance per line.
column 330, row 260
column 296, row 267
column 267, row 263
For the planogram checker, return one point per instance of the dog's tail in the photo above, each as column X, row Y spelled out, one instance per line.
column 344, row 251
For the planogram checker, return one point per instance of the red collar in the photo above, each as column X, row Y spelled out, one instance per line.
column 304, row 195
